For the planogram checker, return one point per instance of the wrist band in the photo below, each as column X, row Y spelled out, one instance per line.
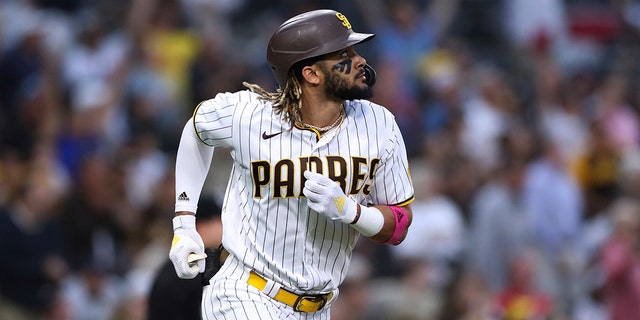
column 358, row 211
column 402, row 222
column 186, row 221
column 369, row 222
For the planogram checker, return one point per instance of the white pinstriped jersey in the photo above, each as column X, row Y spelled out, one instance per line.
column 267, row 223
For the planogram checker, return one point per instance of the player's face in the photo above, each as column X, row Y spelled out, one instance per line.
column 344, row 75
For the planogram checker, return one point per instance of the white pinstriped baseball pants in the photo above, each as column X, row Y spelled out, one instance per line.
column 230, row 297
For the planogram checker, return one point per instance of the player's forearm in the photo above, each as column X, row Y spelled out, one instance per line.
column 391, row 224
column 381, row 223
column 192, row 165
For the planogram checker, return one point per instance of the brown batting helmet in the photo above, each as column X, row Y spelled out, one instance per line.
column 309, row 35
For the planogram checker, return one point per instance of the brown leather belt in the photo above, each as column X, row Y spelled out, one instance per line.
column 302, row 303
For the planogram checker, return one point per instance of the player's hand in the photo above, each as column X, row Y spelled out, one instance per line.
column 325, row 196
column 186, row 241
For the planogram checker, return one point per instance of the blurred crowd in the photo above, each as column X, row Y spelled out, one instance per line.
column 521, row 120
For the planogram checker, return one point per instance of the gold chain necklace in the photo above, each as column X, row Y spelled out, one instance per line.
column 329, row 127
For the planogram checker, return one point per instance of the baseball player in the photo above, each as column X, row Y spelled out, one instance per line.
column 315, row 166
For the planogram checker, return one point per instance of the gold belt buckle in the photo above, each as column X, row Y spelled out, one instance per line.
column 307, row 303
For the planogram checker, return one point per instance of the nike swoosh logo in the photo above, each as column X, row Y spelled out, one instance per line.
column 269, row 136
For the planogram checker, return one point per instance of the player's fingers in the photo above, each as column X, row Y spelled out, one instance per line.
column 201, row 265
column 314, row 186
column 309, row 175
column 317, row 178
column 310, row 194
column 193, row 270
column 315, row 190
column 183, row 269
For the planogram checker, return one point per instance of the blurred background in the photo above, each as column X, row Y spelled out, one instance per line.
column 521, row 120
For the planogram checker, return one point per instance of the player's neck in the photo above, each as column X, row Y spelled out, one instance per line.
column 321, row 112
column 317, row 110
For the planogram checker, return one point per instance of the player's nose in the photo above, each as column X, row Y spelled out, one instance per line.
column 360, row 61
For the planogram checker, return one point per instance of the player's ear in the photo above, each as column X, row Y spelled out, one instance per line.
column 311, row 74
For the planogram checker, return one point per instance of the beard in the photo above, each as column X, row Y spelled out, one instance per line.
column 337, row 86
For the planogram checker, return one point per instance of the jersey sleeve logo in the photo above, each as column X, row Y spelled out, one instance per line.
column 183, row 197
column 266, row 135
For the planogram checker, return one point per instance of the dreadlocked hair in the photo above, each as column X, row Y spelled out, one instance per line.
column 286, row 102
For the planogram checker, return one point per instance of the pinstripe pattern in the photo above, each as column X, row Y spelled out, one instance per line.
column 230, row 297
column 266, row 226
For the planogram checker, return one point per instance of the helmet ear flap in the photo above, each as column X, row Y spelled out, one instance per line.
column 370, row 75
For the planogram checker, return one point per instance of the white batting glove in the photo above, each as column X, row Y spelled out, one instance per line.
column 186, row 241
column 325, row 196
